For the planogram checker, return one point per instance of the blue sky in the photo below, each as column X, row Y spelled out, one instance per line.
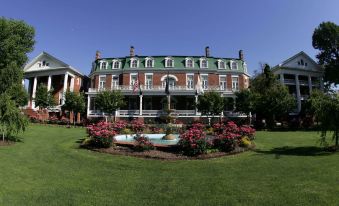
column 267, row 30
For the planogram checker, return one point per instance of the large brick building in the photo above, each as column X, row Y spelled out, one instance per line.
column 224, row 75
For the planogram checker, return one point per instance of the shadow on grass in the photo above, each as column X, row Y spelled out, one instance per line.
column 296, row 151
column 79, row 141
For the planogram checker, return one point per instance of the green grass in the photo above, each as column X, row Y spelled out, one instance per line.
column 47, row 168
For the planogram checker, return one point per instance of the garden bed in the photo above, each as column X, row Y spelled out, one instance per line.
column 161, row 154
column 6, row 143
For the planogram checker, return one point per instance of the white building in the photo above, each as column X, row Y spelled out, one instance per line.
column 301, row 74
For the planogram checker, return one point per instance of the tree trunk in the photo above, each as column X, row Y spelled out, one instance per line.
column 3, row 136
column 336, row 133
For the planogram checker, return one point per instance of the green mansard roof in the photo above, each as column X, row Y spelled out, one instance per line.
column 159, row 63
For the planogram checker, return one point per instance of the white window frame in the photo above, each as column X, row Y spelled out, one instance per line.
column 201, row 60
column 224, row 86
column 219, row 64
column 147, row 85
column 101, row 65
column 130, row 79
column 149, row 59
column 232, row 64
column 131, row 63
column 186, row 62
column 190, row 87
column 245, row 67
column 204, row 86
column 112, row 85
column 102, row 86
column 233, row 85
column 115, row 61
column 166, row 62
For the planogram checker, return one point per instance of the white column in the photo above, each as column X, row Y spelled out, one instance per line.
column 35, row 82
column 88, row 104
column 321, row 81
column 196, row 102
column 49, row 83
column 310, row 83
column 140, row 104
column 298, row 92
column 65, row 87
column 23, row 82
column 71, row 88
column 282, row 78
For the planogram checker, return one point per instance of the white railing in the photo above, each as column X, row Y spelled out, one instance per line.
column 289, row 81
column 158, row 88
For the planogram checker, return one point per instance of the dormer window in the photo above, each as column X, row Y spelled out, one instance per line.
column 189, row 63
column 43, row 64
column 203, row 63
column 116, row 64
column 103, row 65
column 245, row 67
column 134, row 63
column 169, row 62
column 302, row 63
column 221, row 64
column 149, row 62
column 234, row 65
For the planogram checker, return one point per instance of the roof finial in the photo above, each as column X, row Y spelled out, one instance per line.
column 97, row 54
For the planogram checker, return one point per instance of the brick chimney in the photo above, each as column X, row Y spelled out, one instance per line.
column 131, row 51
column 207, row 51
column 241, row 55
column 97, row 55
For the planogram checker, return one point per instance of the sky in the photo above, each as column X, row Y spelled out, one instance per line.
column 268, row 31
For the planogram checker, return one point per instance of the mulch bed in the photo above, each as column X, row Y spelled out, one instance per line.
column 6, row 143
column 163, row 155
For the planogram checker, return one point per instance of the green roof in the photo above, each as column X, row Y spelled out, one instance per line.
column 159, row 63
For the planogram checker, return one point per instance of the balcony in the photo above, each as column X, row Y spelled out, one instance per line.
column 129, row 88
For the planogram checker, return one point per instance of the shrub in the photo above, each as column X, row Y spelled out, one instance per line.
column 119, row 125
column 101, row 134
column 142, row 143
column 193, row 142
column 248, row 131
column 226, row 141
column 137, row 125
column 126, row 131
column 53, row 119
column 34, row 119
column 245, row 142
column 198, row 125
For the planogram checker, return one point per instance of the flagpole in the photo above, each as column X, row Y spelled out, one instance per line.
column 168, row 93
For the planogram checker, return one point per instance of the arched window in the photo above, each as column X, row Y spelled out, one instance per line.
column 103, row 65
column 203, row 63
column 221, row 64
column 149, row 62
column 169, row 62
column 189, row 63
column 116, row 64
column 234, row 65
column 134, row 63
column 171, row 80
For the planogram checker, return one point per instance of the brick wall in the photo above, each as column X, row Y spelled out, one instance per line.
column 213, row 80
column 229, row 81
column 108, row 81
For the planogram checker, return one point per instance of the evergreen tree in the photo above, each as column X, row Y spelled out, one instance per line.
column 44, row 98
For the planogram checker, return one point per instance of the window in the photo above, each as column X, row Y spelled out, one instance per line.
column 234, row 65
column 302, row 63
column 245, row 67
column 235, row 83
column 116, row 64
column 171, row 82
column 204, row 80
column 203, row 63
column 115, row 81
column 190, row 81
column 189, row 63
column 133, row 79
column 148, row 81
column 39, row 64
column 149, row 62
column 102, row 82
column 134, row 63
column 221, row 64
column 222, row 82
column 103, row 65
column 169, row 62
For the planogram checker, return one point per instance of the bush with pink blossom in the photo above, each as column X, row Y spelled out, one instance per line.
column 137, row 125
column 142, row 143
column 193, row 141
column 101, row 134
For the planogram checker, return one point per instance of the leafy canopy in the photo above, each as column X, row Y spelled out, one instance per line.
column 326, row 39
column 109, row 101
column 74, row 101
column 44, row 98
column 210, row 103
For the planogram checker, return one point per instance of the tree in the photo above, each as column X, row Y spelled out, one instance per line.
column 244, row 101
column 326, row 109
column 267, row 97
column 16, row 40
column 74, row 102
column 326, row 39
column 18, row 94
column 109, row 101
column 210, row 104
column 44, row 98
column 12, row 120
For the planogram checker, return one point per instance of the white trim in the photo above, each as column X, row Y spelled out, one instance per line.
column 101, row 62
column 186, row 60
column 244, row 65
column 146, row 85
column 202, row 82
column 100, row 76
column 203, row 59
column 219, row 61
column 130, row 77
column 132, row 59
column 114, row 61
column 166, row 61
column 189, row 74
column 115, row 75
column 225, row 76
column 149, row 59
column 232, row 61
column 170, row 76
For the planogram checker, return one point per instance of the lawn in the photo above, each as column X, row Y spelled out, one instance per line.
column 48, row 168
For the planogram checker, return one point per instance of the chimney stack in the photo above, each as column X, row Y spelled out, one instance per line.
column 131, row 51
column 97, row 55
column 207, row 51
column 241, row 55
